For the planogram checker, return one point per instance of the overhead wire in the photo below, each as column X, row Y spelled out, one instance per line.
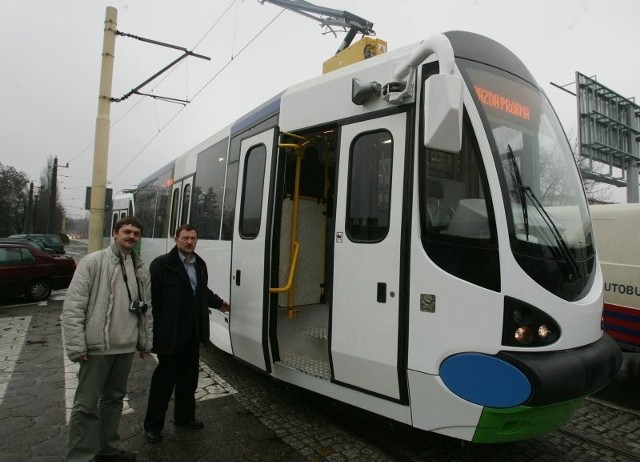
column 198, row 92
column 133, row 106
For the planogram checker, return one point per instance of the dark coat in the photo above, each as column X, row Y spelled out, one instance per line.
column 179, row 314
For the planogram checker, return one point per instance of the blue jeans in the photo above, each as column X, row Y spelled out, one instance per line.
column 97, row 407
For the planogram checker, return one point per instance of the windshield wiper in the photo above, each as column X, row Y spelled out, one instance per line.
column 521, row 191
column 525, row 191
column 562, row 244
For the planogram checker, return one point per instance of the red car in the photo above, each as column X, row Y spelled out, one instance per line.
column 25, row 270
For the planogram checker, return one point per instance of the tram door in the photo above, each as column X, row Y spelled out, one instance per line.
column 180, row 205
column 179, row 215
column 248, row 279
column 364, row 322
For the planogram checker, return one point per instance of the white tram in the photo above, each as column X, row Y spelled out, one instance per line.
column 407, row 234
column 121, row 207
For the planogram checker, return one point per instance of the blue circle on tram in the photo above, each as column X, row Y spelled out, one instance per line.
column 485, row 380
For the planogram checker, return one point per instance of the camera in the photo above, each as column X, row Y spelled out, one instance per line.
column 138, row 307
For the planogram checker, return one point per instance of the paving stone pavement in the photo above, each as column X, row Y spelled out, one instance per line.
column 248, row 416
column 36, row 392
column 254, row 423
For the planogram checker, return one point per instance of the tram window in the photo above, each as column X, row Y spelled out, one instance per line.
column 252, row 188
column 186, row 200
column 452, row 194
column 208, row 189
column 456, row 214
column 369, row 187
column 312, row 179
column 152, row 201
column 174, row 211
column 229, row 208
column 145, row 200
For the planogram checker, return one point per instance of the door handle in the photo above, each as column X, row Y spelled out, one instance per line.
column 237, row 277
column 382, row 292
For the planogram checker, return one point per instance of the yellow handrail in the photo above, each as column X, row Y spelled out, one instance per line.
column 295, row 246
column 292, row 272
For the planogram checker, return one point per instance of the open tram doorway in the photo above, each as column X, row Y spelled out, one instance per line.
column 339, row 207
column 301, row 279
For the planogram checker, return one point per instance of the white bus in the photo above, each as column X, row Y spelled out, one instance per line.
column 407, row 234
column 617, row 232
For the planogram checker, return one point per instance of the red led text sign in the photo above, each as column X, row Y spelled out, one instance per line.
column 502, row 103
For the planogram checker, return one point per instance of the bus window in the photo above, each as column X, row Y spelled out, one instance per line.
column 369, row 187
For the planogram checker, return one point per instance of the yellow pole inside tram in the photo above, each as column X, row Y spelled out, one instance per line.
column 294, row 215
column 295, row 246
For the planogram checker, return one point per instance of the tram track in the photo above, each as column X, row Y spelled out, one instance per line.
column 401, row 443
column 600, row 441
column 594, row 441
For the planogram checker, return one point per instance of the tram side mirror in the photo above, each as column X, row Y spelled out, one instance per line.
column 443, row 113
column 361, row 91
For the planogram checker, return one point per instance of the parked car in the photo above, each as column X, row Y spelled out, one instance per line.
column 25, row 270
column 37, row 243
column 53, row 241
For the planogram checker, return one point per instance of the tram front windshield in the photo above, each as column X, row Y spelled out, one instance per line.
column 549, row 224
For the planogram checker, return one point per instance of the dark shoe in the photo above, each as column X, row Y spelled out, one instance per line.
column 120, row 456
column 191, row 424
column 153, row 437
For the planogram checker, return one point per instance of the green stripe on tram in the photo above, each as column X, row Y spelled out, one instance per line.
column 522, row 422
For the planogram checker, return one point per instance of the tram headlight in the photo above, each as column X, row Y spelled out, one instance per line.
column 523, row 335
column 526, row 325
column 543, row 332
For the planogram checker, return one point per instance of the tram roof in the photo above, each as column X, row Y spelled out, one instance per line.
column 155, row 175
column 476, row 47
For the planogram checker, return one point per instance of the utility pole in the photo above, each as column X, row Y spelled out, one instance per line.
column 28, row 217
column 52, row 198
column 34, row 224
column 101, row 151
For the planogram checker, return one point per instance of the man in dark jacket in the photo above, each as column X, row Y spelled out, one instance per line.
column 180, row 302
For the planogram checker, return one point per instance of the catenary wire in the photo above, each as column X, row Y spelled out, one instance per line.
column 133, row 106
column 195, row 96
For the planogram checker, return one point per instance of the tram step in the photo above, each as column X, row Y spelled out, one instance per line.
column 315, row 367
column 316, row 332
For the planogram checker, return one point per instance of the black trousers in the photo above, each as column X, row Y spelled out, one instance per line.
column 175, row 372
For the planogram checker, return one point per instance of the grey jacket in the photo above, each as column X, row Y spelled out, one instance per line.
column 86, row 313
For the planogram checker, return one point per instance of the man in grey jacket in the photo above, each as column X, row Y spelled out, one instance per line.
column 106, row 317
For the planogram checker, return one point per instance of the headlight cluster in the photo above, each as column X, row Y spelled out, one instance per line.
column 525, row 325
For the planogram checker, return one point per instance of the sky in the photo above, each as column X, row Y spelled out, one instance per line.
column 51, row 62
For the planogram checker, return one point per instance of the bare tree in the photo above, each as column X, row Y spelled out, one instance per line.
column 597, row 192
column 41, row 218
